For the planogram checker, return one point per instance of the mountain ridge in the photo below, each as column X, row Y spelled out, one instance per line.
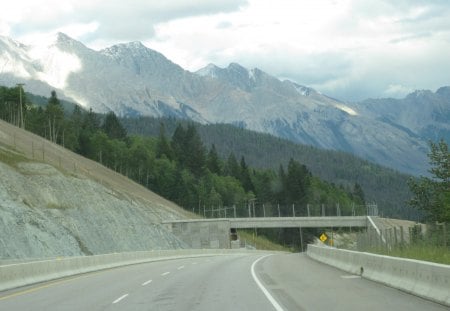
column 133, row 80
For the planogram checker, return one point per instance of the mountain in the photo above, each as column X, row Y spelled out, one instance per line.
column 131, row 79
column 423, row 113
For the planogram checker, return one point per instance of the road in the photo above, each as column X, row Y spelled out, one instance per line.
column 286, row 282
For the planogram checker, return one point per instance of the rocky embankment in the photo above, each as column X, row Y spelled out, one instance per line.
column 46, row 211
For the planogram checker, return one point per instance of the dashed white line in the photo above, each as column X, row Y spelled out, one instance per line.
column 165, row 273
column 194, row 263
column 146, row 283
column 120, row 298
column 180, row 267
column 272, row 300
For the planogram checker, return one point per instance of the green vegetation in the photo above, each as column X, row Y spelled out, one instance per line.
column 437, row 254
column 386, row 187
column 181, row 168
column 432, row 194
column 10, row 157
column 261, row 242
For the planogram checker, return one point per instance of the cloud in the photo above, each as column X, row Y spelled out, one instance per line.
column 397, row 90
column 116, row 19
column 348, row 49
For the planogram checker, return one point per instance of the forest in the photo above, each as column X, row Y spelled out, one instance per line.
column 180, row 167
column 384, row 186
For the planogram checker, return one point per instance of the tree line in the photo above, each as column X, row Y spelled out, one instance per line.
column 180, row 167
column 386, row 187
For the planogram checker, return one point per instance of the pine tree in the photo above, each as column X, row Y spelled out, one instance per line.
column 163, row 147
column 55, row 117
column 113, row 128
column 358, row 193
column 195, row 151
column 245, row 177
column 297, row 182
column 90, row 125
column 213, row 162
column 179, row 144
column 232, row 167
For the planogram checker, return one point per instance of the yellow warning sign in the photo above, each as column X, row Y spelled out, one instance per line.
column 323, row 237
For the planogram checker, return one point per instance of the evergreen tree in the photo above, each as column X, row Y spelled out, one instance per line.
column 90, row 125
column 432, row 195
column 297, row 182
column 91, row 122
column 55, row 117
column 179, row 144
column 113, row 128
column 279, row 186
column 245, row 177
column 195, row 151
column 188, row 149
column 213, row 162
column 36, row 121
column 358, row 194
column 163, row 147
column 232, row 167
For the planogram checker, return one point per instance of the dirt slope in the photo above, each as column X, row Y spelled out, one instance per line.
column 56, row 203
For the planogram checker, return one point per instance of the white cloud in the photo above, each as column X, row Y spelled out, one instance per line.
column 397, row 90
column 349, row 49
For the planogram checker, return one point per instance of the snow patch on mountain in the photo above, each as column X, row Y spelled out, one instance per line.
column 347, row 109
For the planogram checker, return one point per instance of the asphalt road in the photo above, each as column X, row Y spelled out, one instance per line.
column 234, row 282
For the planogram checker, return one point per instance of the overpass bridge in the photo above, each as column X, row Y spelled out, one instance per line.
column 283, row 222
column 216, row 232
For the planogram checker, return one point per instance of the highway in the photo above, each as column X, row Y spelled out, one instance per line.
column 232, row 282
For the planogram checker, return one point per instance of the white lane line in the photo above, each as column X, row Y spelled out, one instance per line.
column 165, row 273
column 180, row 267
column 146, row 283
column 272, row 300
column 350, row 276
column 194, row 263
column 120, row 298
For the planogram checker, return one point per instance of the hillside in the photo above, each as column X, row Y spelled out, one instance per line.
column 382, row 185
column 56, row 203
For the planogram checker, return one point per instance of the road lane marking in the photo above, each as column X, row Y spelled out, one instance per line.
column 194, row 263
column 180, row 267
column 146, row 283
column 120, row 298
column 350, row 276
column 49, row 284
column 165, row 273
column 272, row 300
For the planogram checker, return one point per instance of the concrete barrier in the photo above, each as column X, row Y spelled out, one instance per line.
column 421, row 278
column 22, row 274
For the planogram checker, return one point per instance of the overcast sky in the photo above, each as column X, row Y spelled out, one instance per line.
column 348, row 49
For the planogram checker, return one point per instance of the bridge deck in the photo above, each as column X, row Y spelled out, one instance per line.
column 286, row 222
